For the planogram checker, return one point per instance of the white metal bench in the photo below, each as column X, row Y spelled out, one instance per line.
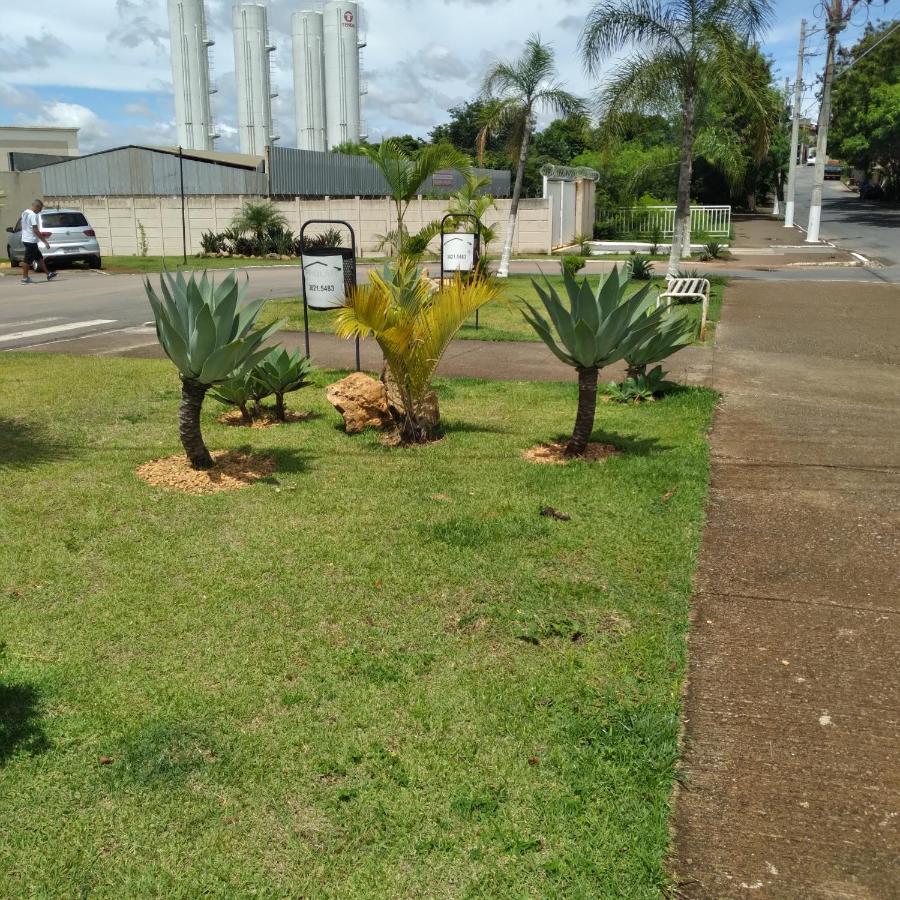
column 688, row 289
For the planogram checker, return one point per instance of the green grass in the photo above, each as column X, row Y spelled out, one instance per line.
column 499, row 321
column 380, row 674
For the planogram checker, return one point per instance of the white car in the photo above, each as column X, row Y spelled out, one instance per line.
column 69, row 234
column 811, row 159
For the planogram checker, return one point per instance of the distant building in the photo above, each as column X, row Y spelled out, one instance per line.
column 38, row 140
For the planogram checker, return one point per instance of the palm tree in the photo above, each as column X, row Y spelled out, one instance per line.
column 515, row 92
column 405, row 173
column 259, row 218
column 413, row 324
column 678, row 46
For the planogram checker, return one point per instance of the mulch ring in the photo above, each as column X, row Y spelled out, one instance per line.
column 233, row 470
column 555, row 453
column 265, row 420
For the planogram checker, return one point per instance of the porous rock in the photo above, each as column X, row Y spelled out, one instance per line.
column 361, row 400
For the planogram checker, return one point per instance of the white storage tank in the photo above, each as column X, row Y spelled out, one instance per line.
column 341, row 33
column 252, row 77
column 190, row 74
column 307, row 32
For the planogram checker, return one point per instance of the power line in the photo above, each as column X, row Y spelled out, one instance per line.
column 884, row 37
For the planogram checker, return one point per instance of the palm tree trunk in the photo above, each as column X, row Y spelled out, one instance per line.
column 246, row 418
column 681, row 239
column 279, row 407
column 192, row 394
column 503, row 271
column 587, row 408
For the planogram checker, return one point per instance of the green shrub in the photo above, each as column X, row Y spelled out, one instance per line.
column 572, row 263
column 639, row 388
column 640, row 266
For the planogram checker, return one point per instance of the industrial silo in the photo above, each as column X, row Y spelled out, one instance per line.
column 309, row 79
column 252, row 77
column 190, row 74
column 341, row 33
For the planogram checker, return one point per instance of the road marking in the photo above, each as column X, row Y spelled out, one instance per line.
column 53, row 329
column 864, row 260
column 29, row 322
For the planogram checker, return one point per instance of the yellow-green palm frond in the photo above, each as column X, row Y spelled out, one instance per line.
column 412, row 323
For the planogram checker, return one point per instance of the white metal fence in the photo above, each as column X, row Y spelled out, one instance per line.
column 711, row 220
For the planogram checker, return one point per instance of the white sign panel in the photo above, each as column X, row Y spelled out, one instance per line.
column 324, row 278
column 459, row 252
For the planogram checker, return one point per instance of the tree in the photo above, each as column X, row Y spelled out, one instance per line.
column 597, row 328
column 515, row 91
column 465, row 124
column 209, row 336
column 563, row 139
column 866, row 127
column 676, row 47
column 406, row 172
column 413, row 324
column 259, row 218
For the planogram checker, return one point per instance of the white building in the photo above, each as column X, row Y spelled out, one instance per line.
column 253, row 81
column 190, row 45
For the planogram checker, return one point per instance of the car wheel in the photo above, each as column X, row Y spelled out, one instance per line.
column 95, row 262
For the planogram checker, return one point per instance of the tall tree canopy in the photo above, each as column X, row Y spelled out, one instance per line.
column 865, row 129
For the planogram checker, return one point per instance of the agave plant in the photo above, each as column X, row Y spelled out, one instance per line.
column 637, row 388
column 641, row 267
column 599, row 327
column 675, row 331
column 280, row 372
column 208, row 335
column 413, row 325
column 238, row 391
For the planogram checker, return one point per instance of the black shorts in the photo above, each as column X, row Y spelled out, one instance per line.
column 32, row 254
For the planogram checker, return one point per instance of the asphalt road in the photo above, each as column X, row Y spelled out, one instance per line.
column 869, row 228
column 81, row 305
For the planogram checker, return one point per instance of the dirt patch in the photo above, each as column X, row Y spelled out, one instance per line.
column 265, row 420
column 555, row 453
column 232, row 471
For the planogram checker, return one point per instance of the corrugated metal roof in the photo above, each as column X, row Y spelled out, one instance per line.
column 310, row 173
column 141, row 171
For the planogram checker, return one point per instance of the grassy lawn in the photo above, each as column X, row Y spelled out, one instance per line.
column 500, row 321
column 381, row 674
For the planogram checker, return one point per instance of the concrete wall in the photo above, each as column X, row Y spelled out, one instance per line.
column 116, row 220
column 21, row 188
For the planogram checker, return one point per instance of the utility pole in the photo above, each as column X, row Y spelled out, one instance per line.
column 837, row 15
column 795, row 132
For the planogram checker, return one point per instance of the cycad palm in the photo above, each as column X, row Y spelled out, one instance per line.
column 259, row 217
column 516, row 91
column 677, row 46
column 406, row 172
column 413, row 325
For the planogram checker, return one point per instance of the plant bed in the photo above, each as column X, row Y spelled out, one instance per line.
column 267, row 419
column 555, row 453
column 375, row 674
column 232, row 470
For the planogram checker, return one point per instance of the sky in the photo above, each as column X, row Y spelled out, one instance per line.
column 103, row 65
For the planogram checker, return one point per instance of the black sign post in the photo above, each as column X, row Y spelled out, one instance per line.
column 460, row 250
column 328, row 275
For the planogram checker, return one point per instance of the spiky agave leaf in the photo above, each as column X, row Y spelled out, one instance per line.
column 677, row 330
column 597, row 328
column 202, row 328
column 282, row 371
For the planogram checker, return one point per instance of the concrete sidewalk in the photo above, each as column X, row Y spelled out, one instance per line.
column 792, row 740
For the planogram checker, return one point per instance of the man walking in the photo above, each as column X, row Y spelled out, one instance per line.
column 31, row 235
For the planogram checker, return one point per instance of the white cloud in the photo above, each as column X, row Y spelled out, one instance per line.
column 93, row 131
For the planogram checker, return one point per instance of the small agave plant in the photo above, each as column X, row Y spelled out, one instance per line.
column 209, row 336
column 238, row 391
column 281, row 372
column 596, row 328
column 674, row 332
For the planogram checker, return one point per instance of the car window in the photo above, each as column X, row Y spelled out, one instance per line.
column 18, row 226
column 63, row 220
